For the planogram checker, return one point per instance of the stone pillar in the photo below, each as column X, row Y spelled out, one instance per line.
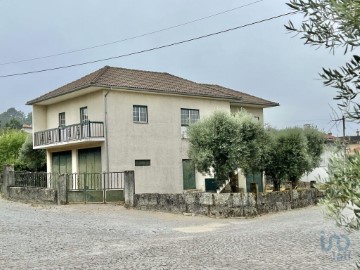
column 61, row 190
column 129, row 188
column 8, row 180
column 241, row 181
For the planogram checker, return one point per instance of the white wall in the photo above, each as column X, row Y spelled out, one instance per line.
column 39, row 118
column 257, row 112
column 159, row 140
column 320, row 174
column 93, row 101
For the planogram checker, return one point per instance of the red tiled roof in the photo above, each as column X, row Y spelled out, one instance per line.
column 146, row 81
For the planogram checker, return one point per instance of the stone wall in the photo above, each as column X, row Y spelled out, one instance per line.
column 32, row 194
column 227, row 204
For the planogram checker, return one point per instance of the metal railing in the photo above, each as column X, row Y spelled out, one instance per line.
column 75, row 181
column 95, row 181
column 34, row 179
column 69, row 133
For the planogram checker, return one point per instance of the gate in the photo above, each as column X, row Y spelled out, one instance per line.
column 95, row 187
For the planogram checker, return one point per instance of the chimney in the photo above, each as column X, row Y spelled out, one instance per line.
column 357, row 132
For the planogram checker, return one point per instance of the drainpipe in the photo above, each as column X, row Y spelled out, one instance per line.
column 106, row 133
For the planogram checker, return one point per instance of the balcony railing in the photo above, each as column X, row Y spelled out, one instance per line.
column 74, row 132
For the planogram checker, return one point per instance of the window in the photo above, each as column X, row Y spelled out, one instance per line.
column 84, row 115
column 189, row 116
column 61, row 119
column 142, row 162
column 140, row 114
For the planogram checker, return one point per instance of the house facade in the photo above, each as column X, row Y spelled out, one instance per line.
column 117, row 119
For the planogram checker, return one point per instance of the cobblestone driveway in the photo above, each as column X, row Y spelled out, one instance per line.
column 111, row 237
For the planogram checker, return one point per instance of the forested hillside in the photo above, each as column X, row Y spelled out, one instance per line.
column 14, row 119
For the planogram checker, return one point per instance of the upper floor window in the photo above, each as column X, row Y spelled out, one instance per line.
column 189, row 116
column 61, row 119
column 84, row 115
column 140, row 114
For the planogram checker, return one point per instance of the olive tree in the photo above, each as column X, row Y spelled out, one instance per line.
column 293, row 152
column 222, row 143
column 333, row 24
column 343, row 191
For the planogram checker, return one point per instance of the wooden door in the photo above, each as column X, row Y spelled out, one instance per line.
column 61, row 162
column 90, row 167
column 188, row 174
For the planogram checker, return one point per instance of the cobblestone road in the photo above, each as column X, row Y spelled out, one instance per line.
column 111, row 237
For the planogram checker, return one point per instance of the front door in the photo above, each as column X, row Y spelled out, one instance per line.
column 188, row 174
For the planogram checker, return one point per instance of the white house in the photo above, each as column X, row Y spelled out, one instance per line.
column 117, row 119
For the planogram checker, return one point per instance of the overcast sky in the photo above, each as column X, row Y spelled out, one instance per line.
column 263, row 60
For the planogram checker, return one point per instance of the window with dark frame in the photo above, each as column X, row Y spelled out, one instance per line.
column 142, row 162
column 62, row 119
column 84, row 118
column 140, row 114
column 189, row 116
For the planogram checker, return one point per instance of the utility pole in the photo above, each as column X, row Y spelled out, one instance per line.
column 343, row 127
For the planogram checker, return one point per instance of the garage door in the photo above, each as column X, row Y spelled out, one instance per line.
column 61, row 162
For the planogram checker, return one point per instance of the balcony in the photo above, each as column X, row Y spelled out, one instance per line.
column 67, row 134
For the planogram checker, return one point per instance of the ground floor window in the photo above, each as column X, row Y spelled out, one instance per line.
column 142, row 162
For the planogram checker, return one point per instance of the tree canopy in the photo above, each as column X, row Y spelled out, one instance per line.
column 10, row 143
column 343, row 191
column 333, row 24
column 293, row 152
column 14, row 119
column 31, row 159
column 223, row 143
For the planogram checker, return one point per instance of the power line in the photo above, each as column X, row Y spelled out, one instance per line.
column 151, row 49
column 130, row 38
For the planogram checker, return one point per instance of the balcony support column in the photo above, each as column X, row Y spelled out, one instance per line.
column 74, row 160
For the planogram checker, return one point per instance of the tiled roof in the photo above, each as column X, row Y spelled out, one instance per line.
column 146, row 81
column 243, row 97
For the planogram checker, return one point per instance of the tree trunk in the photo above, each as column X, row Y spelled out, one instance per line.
column 233, row 182
column 276, row 185
column 293, row 182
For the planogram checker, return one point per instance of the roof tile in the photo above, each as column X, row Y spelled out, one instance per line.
column 150, row 81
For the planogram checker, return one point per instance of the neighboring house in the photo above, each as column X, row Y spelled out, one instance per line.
column 352, row 143
column 27, row 128
column 320, row 174
column 117, row 119
column 334, row 147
